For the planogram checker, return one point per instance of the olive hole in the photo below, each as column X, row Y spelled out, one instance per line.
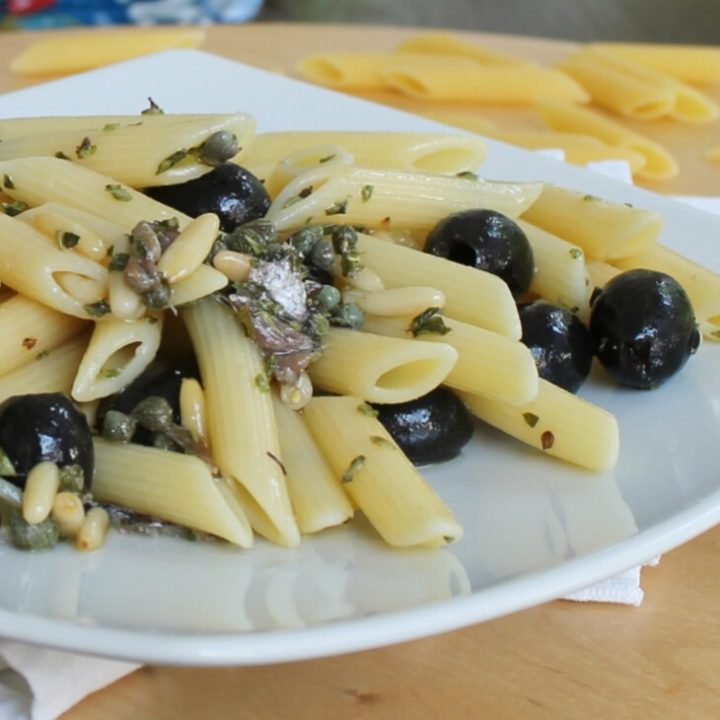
column 463, row 253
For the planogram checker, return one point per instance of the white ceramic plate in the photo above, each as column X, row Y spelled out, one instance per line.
column 535, row 528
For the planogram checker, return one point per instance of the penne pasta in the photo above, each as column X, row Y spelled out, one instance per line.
column 440, row 43
column 382, row 482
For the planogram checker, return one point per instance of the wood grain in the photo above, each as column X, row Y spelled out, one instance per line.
column 561, row 660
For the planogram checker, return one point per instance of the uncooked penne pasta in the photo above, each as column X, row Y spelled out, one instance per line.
column 604, row 230
column 563, row 117
column 424, row 152
column 384, row 199
column 556, row 422
column 447, row 79
column 317, row 497
column 379, row 368
column 488, row 363
column 471, row 295
column 383, row 483
column 172, row 486
column 440, row 43
column 232, row 369
column 140, row 153
column 701, row 284
column 635, row 90
column 118, row 351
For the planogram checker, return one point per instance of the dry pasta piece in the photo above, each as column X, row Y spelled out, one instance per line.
column 446, row 79
column 563, row 117
column 604, row 230
column 487, row 363
column 168, row 485
column 382, row 482
column 379, row 368
column 556, row 422
column 713, row 153
column 694, row 64
column 76, row 52
column 440, row 43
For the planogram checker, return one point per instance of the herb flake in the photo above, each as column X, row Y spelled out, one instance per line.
column 85, row 148
column 366, row 192
column 368, row 410
column 118, row 192
column 66, row 240
column 355, row 466
column 467, row 175
column 14, row 208
column 97, row 309
column 576, row 253
column 547, row 440
column 8, row 183
column 262, row 383
column 338, row 208
column 429, row 321
column 531, row 419
column 380, row 441
column 118, row 262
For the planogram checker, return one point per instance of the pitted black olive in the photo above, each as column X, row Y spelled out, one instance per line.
column 559, row 342
column 234, row 194
column 432, row 428
column 487, row 240
column 643, row 327
column 45, row 427
column 161, row 379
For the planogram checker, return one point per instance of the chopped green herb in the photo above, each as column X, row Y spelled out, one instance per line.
column 327, row 158
column 171, row 161
column 576, row 253
column 291, row 201
column 118, row 192
column 66, row 239
column 354, row 467
column 154, row 108
column 97, row 309
column 262, row 383
column 109, row 373
column 588, row 198
column 14, row 208
column 109, row 127
column 428, row 321
column 366, row 192
column 338, row 208
column 467, row 175
column 118, row 262
column 277, row 460
column 8, row 183
column 367, row 409
column 85, row 148
column 531, row 419
column 60, row 155
column 380, row 441
column 42, row 354
column 7, row 469
column 305, row 192
column 547, row 440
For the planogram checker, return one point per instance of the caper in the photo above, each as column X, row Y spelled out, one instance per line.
column 72, row 478
column 344, row 238
column 328, row 298
column 303, row 240
column 219, row 147
column 158, row 298
column 154, row 413
column 118, row 426
column 349, row 316
column 163, row 442
column 322, row 255
column 145, row 242
column 37, row 536
column 319, row 324
column 141, row 275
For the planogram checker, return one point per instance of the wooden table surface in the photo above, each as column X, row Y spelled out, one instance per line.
column 560, row 660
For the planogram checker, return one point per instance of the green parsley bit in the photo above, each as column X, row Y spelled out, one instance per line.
column 66, row 239
column 380, row 441
column 14, row 208
column 366, row 192
column 154, row 108
column 338, row 208
column 109, row 127
column 60, row 155
column 354, row 467
column 8, row 183
column 118, row 262
column 715, row 334
column 85, row 148
column 589, row 198
column 109, row 373
column 118, row 192
column 367, row 409
column 531, row 419
column 97, row 309
column 467, row 175
column 262, row 383
column 576, row 253
column 7, row 469
column 428, row 321
column 171, row 161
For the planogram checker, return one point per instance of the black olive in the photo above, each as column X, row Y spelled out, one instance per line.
column 233, row 193
column 643, row 327
column 45, row 427
column 160, row 379
column 432, row 428
column 487, row 240
column 559, row 342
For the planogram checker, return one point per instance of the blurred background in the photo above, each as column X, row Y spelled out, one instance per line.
column 685, row 21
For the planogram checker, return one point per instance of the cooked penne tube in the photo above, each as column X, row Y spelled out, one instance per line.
column 560, row 276
column 30, row 330
column 604, row 230
column 385, row 199
column 563, row 117
column 117, row 353
column 694, row 64
column 378, row 368
column 471, row 295
column 139, row 153
column 487, row 363
column 713, row 153
column 424, row 152
column 701, row 284
column 556, row 422
column 447, row 79
column 32, row 266
column 440, row 43
column 382, row 482
column 52, row 371
column 167, row 485
column 317, row 497
column 37, row 180
column 241, row 424
column 635, row 90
